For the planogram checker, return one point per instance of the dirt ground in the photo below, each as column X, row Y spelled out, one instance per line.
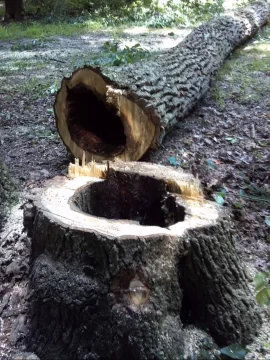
column 225, row 141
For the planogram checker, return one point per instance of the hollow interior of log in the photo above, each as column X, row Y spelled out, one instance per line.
column 93, row 126
column 101, row 120
column 128, row 196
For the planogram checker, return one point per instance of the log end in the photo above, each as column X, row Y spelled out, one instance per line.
column 103, row 121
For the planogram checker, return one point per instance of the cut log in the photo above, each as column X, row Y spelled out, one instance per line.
column 122, row 112
column 120, row 278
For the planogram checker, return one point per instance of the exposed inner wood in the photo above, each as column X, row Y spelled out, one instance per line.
column 94, row 126
column 143, row 199
column 91, row 169
column 95, row 118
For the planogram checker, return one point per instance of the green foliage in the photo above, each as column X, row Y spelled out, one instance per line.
column 71, row 7
column 173, row 162
column 35, row 88
column 32, row 45
column 262, row 288
column 234, row 351
column 69, row 17
column 56, row 7
column 153, row 13
column 168, row 13
column 38, row 132
column 220, row 197
column 46, row 28
column 243, row 77
column 232, row 140
column 211, row 164
column 115, row 54
column 127, row 55
column 255, row 193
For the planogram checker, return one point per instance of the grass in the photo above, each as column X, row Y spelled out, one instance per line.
column 15, row 66
column 156, row 16
column 41, row 30
column 245, row 75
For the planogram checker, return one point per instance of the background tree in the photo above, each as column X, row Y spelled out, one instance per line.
column 13, row 10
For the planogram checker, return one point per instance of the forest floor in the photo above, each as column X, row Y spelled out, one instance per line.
column 225, row 141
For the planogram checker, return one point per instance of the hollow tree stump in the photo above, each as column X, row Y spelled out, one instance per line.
column 122, row 264
column 122, row 112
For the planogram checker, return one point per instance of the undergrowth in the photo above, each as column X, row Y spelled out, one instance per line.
column 153, row 14
column 40, row 29
column 114, row 54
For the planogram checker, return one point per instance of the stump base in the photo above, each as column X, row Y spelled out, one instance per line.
column 122, row 264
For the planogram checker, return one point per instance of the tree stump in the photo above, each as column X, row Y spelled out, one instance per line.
column 122, row 264
column 7, row 192
column 122, row 112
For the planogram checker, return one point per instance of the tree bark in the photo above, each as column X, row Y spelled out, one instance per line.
column 122, row 112
column 122, row 277
column 13, row 10
column 7, row 192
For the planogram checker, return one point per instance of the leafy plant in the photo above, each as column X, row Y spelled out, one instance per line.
column 257, row 194
column 232, row 140
column 220, row 197
column 211, row 164
column 115, row 55
column 238, row 205
column 127, row 55
column 234, row 351
column 36, row 88
column 173, row 161
column 53, row 88
column 34, row 44
column 262, row 288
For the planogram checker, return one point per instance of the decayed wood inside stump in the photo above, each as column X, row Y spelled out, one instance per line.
column 121, row 265
column 122, row 112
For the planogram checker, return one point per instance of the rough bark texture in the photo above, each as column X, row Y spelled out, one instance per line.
column 114, row 289
column 13, row 10
column 7, row 192
column 218, row 303
column 148, row 97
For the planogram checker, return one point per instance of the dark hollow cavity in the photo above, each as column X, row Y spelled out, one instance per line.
column 130, row 197
column 93, row 125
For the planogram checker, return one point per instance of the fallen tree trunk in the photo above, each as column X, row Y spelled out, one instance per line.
column 122, row 112
column 120, row 278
